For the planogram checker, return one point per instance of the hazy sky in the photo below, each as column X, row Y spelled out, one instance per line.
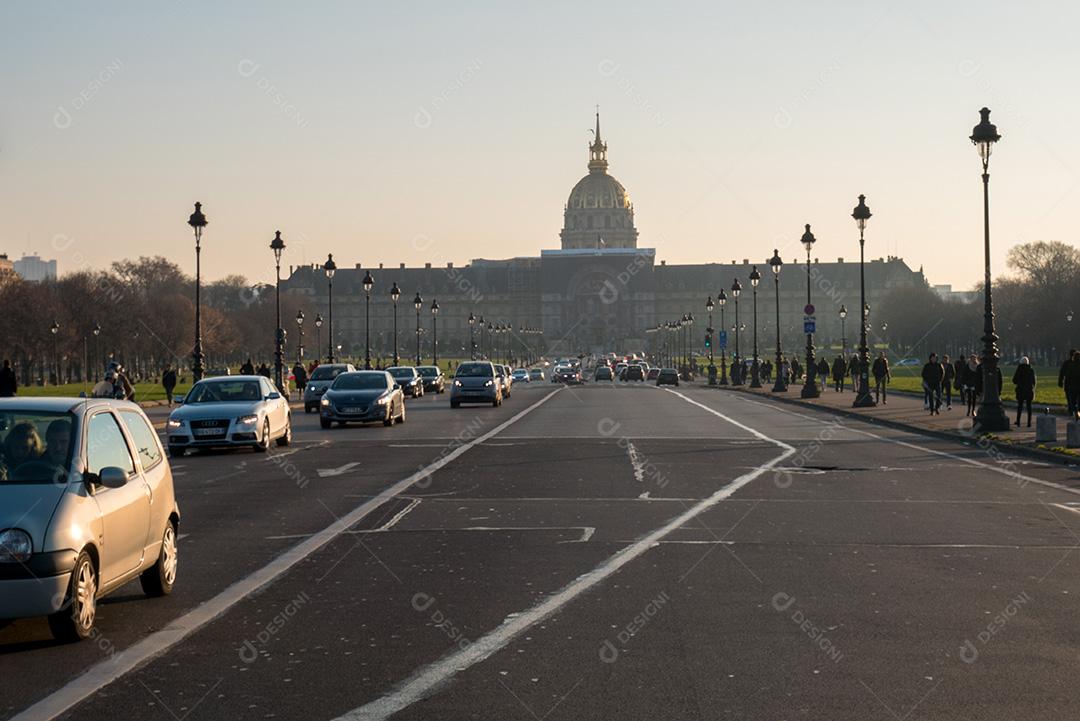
column 391, row 132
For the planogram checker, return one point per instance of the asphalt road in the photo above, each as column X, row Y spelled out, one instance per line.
column 592, row 553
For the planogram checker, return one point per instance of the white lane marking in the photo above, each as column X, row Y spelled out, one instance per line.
column 933, row 451
column 339, row 471
column 645, row 497
column 282, row 454
column 635, row 461
column 399, row 515
column 430, row 677
column 586, row 531
column 1067, row 507
column 1009, row 546
column 182, row 536
column 105, row 672
column 415, row 445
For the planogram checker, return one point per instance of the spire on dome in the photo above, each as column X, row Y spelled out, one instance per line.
column 598, row 149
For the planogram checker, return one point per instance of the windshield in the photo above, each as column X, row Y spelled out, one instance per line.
column 360, row 382
column 225, row 392
column 327, row 373
column 401, row 372
column 474, row 370
column 428, row 371
column 35, row 447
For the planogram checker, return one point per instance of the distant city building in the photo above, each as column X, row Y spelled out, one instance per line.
column 945, row 292
column 34, row 268
column 5, row 264
column 598, row 292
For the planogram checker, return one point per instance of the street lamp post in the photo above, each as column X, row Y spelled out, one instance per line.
column 863, row 399
column 480, row 320
column 368, row 284
column 97, row 349
column 755, row 367
column 418, row 303
column 809, row 389
column 278, row 246
column 318, row 336
column 843, row 332
column 776, row 263
column 198, row 222
column 990, row 415
column 434, row 332
column 55, row 330
column 330, row 267
column 300, row 336
column 395, row 293
column 709, row 332
column 472, row 341
column 736, row 361
column 721, row 300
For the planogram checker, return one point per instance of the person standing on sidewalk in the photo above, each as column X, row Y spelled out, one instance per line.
column 972, row 383
column 947, row 383
column 839, row 372
column 168, row 382
column 1024, row 380
column 880, row 369
column 9, row 385
column 1069, row 379
column 932, row 375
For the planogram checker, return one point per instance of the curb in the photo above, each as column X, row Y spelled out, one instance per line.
column 897, row 425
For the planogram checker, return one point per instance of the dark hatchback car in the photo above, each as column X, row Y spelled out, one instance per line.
column 362, row 397
column 667, row 377
column 412, row 384
column 603, row 373
column 633, row 373
column 570, row 376
column 476, row 382
column 433, row 378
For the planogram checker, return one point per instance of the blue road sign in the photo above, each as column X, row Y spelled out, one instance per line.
column 809, row 326
column 721, row 339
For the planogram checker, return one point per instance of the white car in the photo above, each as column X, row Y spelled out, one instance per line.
column 521, row 374
column 231, row 411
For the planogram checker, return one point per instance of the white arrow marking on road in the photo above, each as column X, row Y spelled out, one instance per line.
column 635, row 461
column 339, row 471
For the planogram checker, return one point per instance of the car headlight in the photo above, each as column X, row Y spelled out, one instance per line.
column 382, row 400
column 311, row 388
column 457, row 382
column 249, row 420
column 172, row 424
column 325, row 402
column 489, row 383
column 15, row 546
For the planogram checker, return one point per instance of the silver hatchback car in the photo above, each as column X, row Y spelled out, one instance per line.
column 86, row 505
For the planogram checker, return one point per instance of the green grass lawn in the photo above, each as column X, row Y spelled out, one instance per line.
column 909, row 378
column 143, row 391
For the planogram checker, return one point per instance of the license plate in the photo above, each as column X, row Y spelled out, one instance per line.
column 206, row 431
column 353, row 410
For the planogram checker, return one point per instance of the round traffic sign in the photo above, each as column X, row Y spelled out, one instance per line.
column 809, row 309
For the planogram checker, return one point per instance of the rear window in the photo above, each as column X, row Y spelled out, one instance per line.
column 35, row 447
column 428, row 371
column 360, row 382
column 474, row 370
column 327, row 373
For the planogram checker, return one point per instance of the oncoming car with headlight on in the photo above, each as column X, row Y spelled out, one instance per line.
column 230, row 411
column 86, row 505
column 362, row 397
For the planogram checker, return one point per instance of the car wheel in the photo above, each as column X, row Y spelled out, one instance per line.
column 158, row 580
column 75, row 620
column 308, row 409
column 389, row 420
column 176, row 452
column 455, row 404
column 324, row 423
column 286, row 437
column 264, row 442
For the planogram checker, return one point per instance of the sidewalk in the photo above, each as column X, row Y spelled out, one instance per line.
column 906, row 410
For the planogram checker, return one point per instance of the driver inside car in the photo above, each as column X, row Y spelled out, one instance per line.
column 57, row 444
column 22, row 445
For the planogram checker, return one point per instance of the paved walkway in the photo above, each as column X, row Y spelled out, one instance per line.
column 907, row 409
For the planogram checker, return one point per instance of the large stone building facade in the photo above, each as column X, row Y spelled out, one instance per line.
column 597, row 292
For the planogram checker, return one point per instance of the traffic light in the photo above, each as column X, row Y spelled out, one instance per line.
column 708, row 340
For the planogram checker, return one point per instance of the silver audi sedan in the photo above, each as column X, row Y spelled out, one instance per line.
column 86, row 505
column 230, row 411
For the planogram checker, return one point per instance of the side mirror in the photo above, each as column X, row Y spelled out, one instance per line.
column 113, row 477
column 397, row 385
column 178, row 399
column 273, row 396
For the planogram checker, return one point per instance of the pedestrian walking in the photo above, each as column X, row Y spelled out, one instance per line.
column 932, row 376
column 300, row 374
column 958, row 378
column 248, row 368
column 880, row 369
column 1069, row 379
column 1024, row 380
column 9, row 385
column 972, row 383
column 839, row 372
column 823, row 372
column 168, row 382
column 947, row 381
